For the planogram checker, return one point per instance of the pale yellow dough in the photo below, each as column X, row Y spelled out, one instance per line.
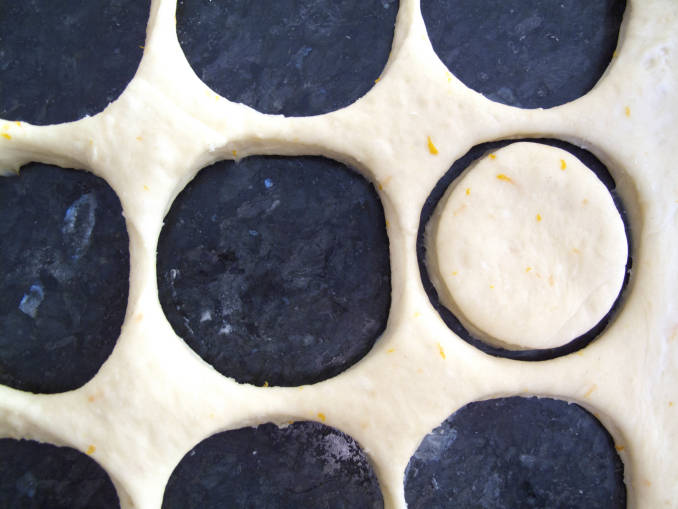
column 141, row 417
column 527, row 247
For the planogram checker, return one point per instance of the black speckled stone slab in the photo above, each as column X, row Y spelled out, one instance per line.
column 61, row 60
column 63, row 280
column 276, row 270
column 517, row 452
column 287, row 56
column 43, row 476
column 305, row 464
column 527, row 53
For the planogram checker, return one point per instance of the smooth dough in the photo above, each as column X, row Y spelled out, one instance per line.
column 138, row 418
column 527, row 247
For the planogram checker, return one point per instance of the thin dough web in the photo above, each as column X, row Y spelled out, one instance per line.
column 138, row 419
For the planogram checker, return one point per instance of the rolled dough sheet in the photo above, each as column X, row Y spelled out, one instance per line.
column 139, row 417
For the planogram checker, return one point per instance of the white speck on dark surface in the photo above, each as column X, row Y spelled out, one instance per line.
column 300, row 55
column 527, row 460
column 435, row 444
column 79, row 222
column 27, row 484
column 529, row 24
column 337, row 449
column 273, row 206
column 31, row 301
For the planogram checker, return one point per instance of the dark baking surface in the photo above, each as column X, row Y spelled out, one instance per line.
column 65, row 270
column 526, row 53
column 304, row 464
column 513, row 54
column 493, row 454
column 276, row 270
column 43, row 476
column 63, row 59
column 288, row 57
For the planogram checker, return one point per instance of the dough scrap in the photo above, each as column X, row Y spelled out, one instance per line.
column 141, row 418
column 527, row 247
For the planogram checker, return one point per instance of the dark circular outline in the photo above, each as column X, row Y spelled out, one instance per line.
column 542, row 354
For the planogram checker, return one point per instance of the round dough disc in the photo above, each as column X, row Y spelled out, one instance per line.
column 527, row 248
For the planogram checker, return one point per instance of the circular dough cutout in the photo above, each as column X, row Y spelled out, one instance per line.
column 527, row 248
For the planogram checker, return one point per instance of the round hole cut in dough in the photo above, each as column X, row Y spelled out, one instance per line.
column 527, row 248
